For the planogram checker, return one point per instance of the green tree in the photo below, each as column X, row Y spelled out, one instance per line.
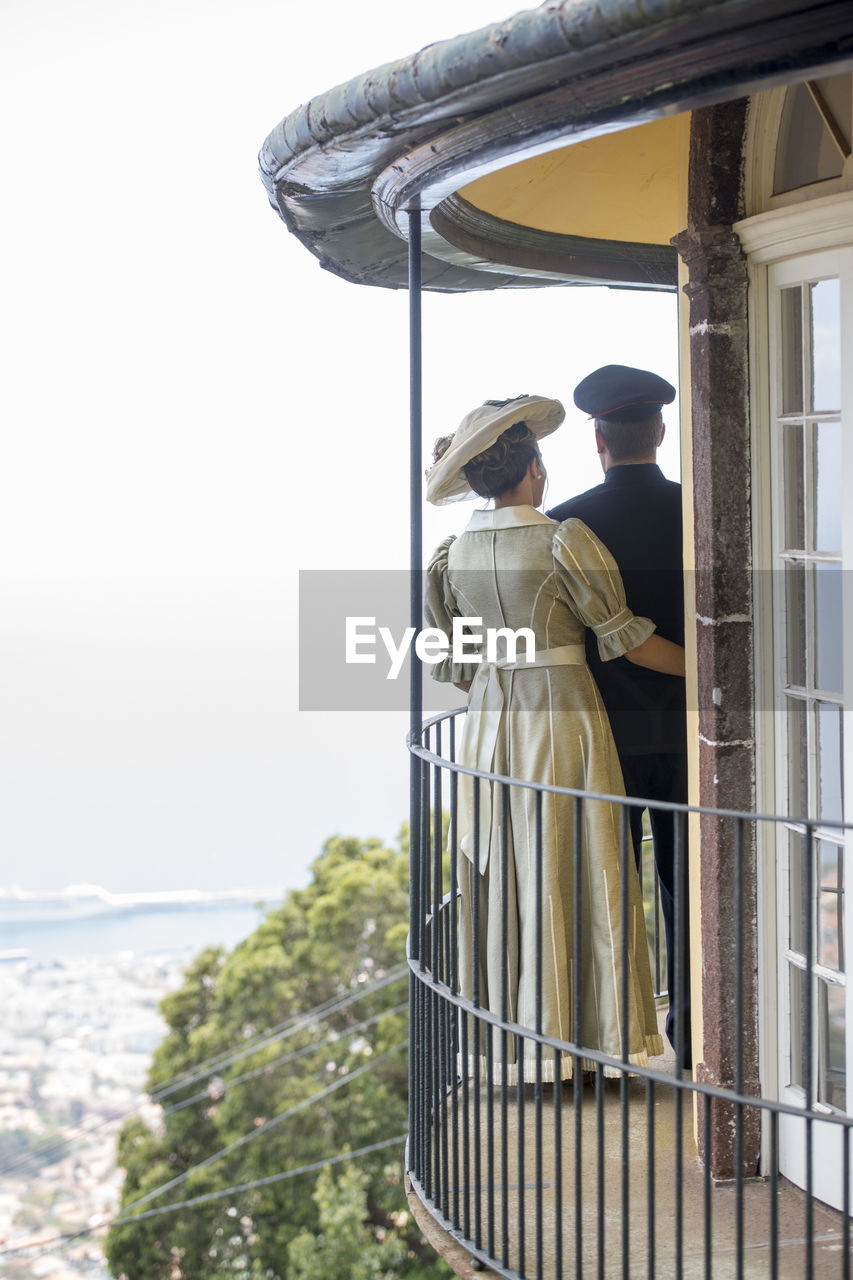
column 328, row 942
column 344, row 1246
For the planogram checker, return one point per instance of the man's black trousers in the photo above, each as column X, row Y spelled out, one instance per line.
column 664, row 777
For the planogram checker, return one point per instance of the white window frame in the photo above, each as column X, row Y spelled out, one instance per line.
column 809, row 240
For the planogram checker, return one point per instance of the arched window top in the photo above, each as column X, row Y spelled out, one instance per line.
column 813, row 143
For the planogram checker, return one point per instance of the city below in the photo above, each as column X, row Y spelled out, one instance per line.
column 80, row 1023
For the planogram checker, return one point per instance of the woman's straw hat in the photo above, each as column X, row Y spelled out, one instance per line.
column 445, row 480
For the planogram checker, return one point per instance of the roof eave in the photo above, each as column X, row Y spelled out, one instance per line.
column 603, row 63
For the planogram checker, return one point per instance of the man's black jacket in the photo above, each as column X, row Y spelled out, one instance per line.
column 636, row 513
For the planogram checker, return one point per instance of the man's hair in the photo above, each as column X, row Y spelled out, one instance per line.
column 630, row 441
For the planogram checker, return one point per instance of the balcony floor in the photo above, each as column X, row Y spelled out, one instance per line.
column 757, row 1254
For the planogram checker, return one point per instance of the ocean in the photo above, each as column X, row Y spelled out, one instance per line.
column 89, row 920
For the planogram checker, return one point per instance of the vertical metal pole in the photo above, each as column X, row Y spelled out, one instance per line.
column 577, row 1025
column 479, row 1047
column 539, row 942
column 627, row 858
column 739, row 948
column 808, row 1060
column 521, row 1048
column 427, row 996
column 415, row 450
column 599, row 1134
column 706, row 1104
column 415, row 688
column 676, row 996
column 453, row 979
column 774, row 1195
column 558, row 1162
column 505, row 1037
column 441, row 1154
column 845, row 1207
column 650, row 1179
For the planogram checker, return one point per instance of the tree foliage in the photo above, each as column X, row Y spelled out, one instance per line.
column 329, row 941
column 342, row 1247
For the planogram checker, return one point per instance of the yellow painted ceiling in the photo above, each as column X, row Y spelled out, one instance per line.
column 630, row 185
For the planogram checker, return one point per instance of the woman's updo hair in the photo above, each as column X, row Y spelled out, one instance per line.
column 501, row 467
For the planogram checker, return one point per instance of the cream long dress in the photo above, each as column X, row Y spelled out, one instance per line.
column 544, row 722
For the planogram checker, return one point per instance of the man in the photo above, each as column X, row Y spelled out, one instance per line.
column 636, row 513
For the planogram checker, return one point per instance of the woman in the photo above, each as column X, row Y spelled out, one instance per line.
column 542, row 721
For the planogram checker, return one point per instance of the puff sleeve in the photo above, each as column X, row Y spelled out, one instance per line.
column 440, row 608
column 592, row 583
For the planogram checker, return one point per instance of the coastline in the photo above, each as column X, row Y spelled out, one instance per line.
column 39, row 929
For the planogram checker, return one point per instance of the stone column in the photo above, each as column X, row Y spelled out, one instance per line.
column 717, row 293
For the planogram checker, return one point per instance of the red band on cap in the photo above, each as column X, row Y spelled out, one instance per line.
column 629, row 404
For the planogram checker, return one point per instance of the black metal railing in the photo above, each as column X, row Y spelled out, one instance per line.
column 546, row 1157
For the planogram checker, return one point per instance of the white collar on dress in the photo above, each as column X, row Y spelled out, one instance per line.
column 505, row 518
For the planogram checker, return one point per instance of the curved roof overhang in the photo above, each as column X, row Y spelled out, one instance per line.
column 344, row 170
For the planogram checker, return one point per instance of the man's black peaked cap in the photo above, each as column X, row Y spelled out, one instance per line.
column 627, row 395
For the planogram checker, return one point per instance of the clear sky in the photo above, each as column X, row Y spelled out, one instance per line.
column 192, row 412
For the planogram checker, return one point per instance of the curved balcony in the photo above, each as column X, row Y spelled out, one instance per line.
column 609, row 1171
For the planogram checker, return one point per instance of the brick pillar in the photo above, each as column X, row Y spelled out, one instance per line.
column 717, row 293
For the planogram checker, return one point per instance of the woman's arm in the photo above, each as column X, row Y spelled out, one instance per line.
column 440, row 609
column 658, row 655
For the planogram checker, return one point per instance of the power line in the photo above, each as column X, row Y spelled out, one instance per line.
column 264, row 1128
column 47, row 1245
column 273, row 1035
column 217, row 1061
column 281, row 1032
column 262, row 1182
column 332, row 1038
column 248, row 1137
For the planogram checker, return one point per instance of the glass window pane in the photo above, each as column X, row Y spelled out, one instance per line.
column 825, row 301
column 831, row 908
column 796, row 892
column 795, row 522
column 829, row 719
column 830, row 864
column 798, row 778
column 828, row 487
column 798, row 991
column 791, row 361
column 795, row 618
column 829, row 650
column 832, row 1073
column 828, row 950
column 805, row 151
